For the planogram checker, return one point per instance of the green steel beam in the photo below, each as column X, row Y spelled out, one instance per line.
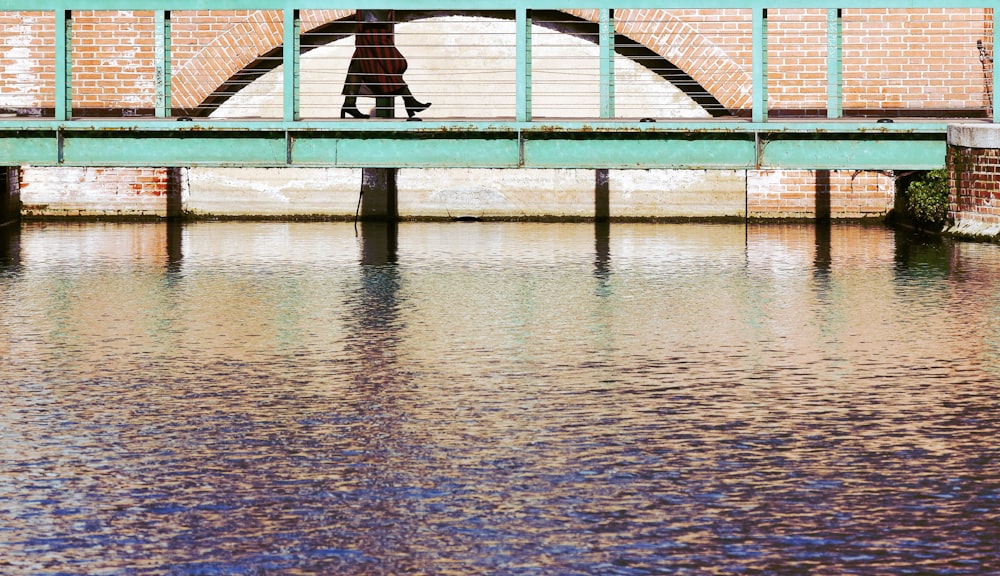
column 607, row 65
column 650, row 150
column 64, row 65
column 523, row 65
column 759, row 65
column 851, row 152
column 834, row 63
column 39, row 148
column 173, row 149
column 162, row 64
column 574, row 145
column 385, row 151
column 291, row 65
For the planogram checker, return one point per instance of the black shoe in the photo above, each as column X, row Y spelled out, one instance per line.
column 412, row 107
column 353, row 111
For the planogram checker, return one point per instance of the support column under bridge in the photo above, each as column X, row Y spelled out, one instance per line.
column 10, row 195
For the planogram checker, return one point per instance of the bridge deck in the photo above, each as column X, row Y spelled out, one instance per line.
column 727, row 144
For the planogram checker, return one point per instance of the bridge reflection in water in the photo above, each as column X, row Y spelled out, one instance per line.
column 516, row 398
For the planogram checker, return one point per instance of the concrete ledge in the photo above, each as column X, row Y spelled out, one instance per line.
column 974, row 135
column 974, row 230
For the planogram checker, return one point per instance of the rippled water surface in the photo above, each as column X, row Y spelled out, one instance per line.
column 478, row 398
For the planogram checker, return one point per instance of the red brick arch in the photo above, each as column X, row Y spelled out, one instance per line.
column 210, row 48
column 712, row 46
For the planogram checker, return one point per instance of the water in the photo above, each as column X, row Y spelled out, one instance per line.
column 511, row 398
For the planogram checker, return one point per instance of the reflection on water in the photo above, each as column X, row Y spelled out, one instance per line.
column 235, row 398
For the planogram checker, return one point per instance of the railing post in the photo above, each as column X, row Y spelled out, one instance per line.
column 64, row 65
column 290, row 61
column 834, row 63
column 759, row 111
column 162, row 64
column 607, row 48
column 523, row 80
column 996, row 71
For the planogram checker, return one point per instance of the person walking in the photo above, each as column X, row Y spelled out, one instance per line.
column 377, row 66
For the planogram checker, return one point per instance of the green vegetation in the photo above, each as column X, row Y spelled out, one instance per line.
column 927, row 199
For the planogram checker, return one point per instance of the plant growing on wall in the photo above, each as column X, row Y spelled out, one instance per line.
column 927, row 199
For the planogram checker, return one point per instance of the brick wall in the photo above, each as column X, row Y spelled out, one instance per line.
column 113, row 60
column 915, row 58
column 922, row 59
column 712, row 46
column 27, row 60
column 820, row 194
column 76, row 192
column 974, row 196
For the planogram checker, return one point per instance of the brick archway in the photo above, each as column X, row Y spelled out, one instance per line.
column 674, row 48
column 685, row 39
column 229, row 59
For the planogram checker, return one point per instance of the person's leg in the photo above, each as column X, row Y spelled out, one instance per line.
column 352, row 87
column 412, row 104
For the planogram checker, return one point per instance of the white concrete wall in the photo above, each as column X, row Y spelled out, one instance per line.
column 271, row 192
column 484, row 193
column 678, row 193
column 468, row 193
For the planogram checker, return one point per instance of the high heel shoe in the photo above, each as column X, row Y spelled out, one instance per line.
column 412, row 107
column 353, row 111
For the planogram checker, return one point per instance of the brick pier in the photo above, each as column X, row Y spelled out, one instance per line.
column 974, row 171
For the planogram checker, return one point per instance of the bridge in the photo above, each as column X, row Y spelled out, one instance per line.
column 734, row 134
column 808, row 109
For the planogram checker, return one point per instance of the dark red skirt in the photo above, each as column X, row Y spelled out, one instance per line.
column 377, row 62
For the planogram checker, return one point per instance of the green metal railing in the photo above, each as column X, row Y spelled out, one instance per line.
column 525, row 141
